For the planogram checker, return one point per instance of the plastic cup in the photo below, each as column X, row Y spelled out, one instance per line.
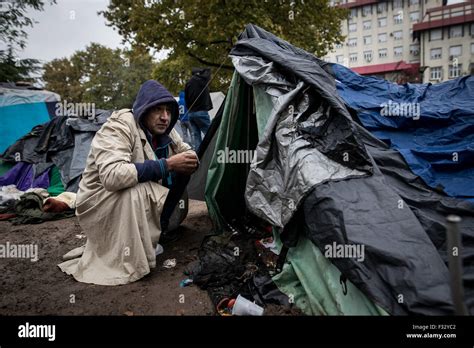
column 243, row 306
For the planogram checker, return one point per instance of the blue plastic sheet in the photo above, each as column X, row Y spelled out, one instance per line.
column 432, row 126
column 19, row 119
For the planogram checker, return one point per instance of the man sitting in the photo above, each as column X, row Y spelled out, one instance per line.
column 133, row 162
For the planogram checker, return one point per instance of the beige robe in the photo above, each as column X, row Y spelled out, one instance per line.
column 120, row 217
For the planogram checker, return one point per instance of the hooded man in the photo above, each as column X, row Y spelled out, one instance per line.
column 133, row 161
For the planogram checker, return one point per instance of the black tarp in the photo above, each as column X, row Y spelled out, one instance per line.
column 399, row 219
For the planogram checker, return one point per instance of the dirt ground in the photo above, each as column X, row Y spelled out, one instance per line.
column 40, row 288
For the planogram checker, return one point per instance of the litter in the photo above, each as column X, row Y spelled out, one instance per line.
column 269, row 243
column 185, row 282
column 170, row 263
column 242, row 306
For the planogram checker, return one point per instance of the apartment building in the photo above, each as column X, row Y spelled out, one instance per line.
column 407, row 40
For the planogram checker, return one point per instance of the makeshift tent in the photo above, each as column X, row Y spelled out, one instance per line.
column 22, row 108
column 63, row 141
column 431, row 126
column 318, row 176
column 197, row 183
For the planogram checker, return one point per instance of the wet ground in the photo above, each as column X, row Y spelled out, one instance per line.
column 40, row 288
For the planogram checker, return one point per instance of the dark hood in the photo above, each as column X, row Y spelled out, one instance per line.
column 201, row 73
column 153, row 93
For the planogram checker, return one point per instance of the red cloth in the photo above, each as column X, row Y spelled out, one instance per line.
column 54, row 206
column 6, row 216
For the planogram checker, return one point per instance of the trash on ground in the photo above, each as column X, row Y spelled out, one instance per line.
column 170, row 263
column 185, row 282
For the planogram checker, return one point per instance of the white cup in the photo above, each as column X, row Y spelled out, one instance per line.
column 242, row 306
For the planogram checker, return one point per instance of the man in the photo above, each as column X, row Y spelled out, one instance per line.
column 133, row 161
column 198, row 101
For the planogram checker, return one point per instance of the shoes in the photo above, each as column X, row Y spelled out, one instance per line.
column 170, row 236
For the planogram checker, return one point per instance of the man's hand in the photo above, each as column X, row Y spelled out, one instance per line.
column 184, row 163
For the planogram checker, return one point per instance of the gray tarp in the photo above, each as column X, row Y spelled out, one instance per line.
column 351, row 189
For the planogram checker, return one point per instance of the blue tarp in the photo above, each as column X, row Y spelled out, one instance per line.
column 17, row 120
column 432, row 126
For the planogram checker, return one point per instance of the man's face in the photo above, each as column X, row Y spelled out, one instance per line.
column 157, row 119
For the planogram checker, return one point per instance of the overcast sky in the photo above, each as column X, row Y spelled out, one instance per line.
column 71, row 25
column 66, row 27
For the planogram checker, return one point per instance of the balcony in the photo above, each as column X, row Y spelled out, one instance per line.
column 443, row 16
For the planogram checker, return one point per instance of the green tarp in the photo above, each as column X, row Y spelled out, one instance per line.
column 4, row 167
column 309, row 278
column 56, row 186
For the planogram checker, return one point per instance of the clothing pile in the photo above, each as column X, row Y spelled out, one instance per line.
column 35, row 205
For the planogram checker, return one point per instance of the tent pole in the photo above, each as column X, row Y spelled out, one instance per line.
column 455, row 265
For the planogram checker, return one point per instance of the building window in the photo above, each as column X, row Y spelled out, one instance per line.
column 398, row 18
column 472, row 29
column 367, row 25
column 382, row 37
column 414, row 16
column 414, row 2
column 436, row 34
column 456, row 31
column 398, row 51
column 397, row 4
column 353, row 57
column 367, row 10
column 381, row 7
column 352, row 27
column 455, row 51
column 352, row 42
column 382, row 53
column 338, row 46
column 436, row 53
column 415, row 50
column 455, row 71
column 340, row 59
column 382, row 22
column 368, row 56
column 398, row 35
column 367, row 40
column 353, row 13
column 436, row 73
column 472, row 48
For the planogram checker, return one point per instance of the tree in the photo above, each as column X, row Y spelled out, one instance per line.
column 12, row 21
column 13, row 69
column 108, row 78
column 201, row 33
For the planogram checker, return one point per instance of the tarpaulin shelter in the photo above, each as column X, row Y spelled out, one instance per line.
column 320, row 178
column 63, row 141
column 197, row 183
column 22, row 108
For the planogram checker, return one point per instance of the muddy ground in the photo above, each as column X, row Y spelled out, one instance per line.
column 40, row 288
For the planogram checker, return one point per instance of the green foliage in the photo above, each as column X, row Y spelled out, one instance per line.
column 14, row 70
column 12, row 21
column 109, row 78
column 202, row 32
